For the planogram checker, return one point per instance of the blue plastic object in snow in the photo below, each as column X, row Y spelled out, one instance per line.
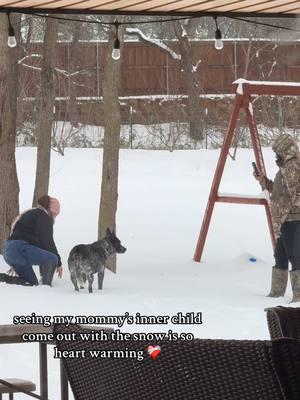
column 252, row 259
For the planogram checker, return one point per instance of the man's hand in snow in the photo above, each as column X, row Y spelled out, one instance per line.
column 59, row 271
column 11, row 272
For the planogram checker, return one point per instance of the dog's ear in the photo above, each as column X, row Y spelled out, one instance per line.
column 108, row 232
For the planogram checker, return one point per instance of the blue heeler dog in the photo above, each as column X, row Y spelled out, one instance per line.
column 85, row 260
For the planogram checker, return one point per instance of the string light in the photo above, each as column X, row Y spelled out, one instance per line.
column 171, row 19
column 11, row 40
column 218, row 37
column 116, row 54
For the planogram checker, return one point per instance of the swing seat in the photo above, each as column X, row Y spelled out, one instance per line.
column 241, row 198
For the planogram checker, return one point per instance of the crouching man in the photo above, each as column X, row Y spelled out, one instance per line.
column 31, row 243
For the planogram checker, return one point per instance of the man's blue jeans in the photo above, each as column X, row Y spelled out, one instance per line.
column 22, row 256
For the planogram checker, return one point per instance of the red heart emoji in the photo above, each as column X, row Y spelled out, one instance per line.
column 154, row 351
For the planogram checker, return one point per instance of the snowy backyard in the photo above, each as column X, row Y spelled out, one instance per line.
column 126, row 104
column 161, row 203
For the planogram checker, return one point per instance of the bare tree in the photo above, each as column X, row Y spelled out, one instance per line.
column 45, row 112
column 112, row 123
column 73, row 60
column 182, row 33
column 9, row 185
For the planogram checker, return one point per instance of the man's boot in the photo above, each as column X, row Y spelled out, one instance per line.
column 279, row 282
column 13, row 280
column 295, row 281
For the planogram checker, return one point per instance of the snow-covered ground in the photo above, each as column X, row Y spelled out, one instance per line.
column 162, row 199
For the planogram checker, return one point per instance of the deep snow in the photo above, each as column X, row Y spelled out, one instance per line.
column 162, row 199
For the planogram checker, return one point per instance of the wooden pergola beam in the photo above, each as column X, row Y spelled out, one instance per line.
column 170, row 13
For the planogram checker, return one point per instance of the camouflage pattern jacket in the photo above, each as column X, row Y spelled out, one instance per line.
column 285, row 189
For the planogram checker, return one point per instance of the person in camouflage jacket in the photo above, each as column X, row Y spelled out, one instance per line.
column 285, row 209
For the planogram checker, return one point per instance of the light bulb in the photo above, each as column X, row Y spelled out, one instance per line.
column 219, row 44
column 218, row 40
column 11, row 40
column 116, row 54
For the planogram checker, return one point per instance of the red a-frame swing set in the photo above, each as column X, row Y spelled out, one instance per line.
column 244, row 90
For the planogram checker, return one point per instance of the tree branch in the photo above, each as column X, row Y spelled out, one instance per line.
column 155, row 42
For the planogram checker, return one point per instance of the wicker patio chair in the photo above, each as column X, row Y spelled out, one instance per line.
column 200, row 369
column 286, row 358
column 283, row 322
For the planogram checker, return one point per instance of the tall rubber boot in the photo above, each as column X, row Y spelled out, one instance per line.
column 295, row 281
column 279, row 282
column 47, row 272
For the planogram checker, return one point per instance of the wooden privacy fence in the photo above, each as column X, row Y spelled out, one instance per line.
column 148, row 70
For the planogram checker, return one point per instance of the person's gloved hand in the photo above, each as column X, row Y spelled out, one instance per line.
column 258, row 177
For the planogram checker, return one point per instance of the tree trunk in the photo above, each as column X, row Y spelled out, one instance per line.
column 73, row 61
column 24, row 49
column 110, row 163
column 247, row 53
column 193, row 88
column 45, row 112
column 9, row 185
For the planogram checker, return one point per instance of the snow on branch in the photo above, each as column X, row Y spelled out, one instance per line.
column 195, row 67
column 31, row 67
column 30, row 55
column 155, row 42
column 58, row 70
